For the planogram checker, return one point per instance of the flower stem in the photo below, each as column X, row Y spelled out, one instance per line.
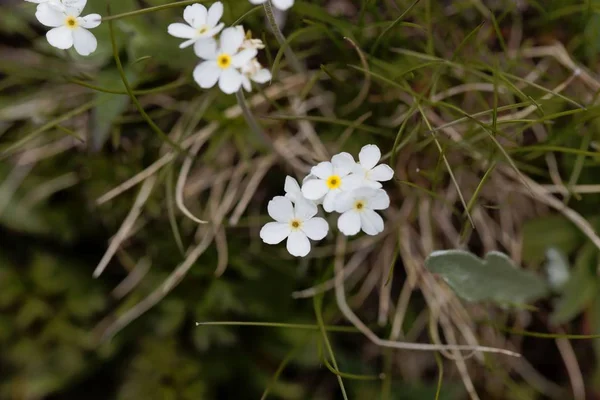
column 151, row 9
column 251, row 121
column 289, row 53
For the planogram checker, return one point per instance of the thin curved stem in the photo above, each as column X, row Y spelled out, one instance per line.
column 289, row 53
column 251, row 120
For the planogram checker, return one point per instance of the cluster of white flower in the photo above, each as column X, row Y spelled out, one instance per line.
column 229, row 60
column 68, row 28
column 352, row 189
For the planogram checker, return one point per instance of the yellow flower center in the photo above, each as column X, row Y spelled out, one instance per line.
column 359, row 205
column 71, row 22
column 295, row 224
column 334, row 182
column 224, row 61
column 203, row 29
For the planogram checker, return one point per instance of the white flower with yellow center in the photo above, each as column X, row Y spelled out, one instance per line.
column 358, row 211
column 367, row 172
column 224, row 62
column 332, row 179
column 70, row 30
column 296, row 222
column 280, row 4
column 202, row 24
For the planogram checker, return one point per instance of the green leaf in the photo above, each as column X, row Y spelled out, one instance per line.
column 110, row 106
column 549, row 232
column 581, row 288
column 494, row 279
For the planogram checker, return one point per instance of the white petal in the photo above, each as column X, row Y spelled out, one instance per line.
column 314, row 189
column 274, row 232
column 76, row 4
column 371, row 222
column 364, row 192
column 262, row 76
column 85, row 42
column 349, row 223
column 195, row 15
column 315, row 228
column 206, row 74
column 36, row 1
column 322, row 170
column 305, row 210
column 213, row 31
column 206, row 49
column 281, row 209
column 61, row 38
column 298, row 244
column 381, row 173
column 246, row 83
column 90, row 21
column 283, row 4
column 72, row 11
column 215, row 12
column 188, row 43
column 379, row 201
column 329, row 202
column 372, row 184
column 353, row 181
column 345, row 201
column 231, row 40
column 308, row 178
column 257, row 1
column 343, row 163
column 50, row 16
column 369, row 156
column 181, row 31
column 292, row 189
column 230, row 81
column 243, row 57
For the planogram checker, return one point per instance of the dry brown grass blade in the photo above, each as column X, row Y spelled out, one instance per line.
column 127, row 224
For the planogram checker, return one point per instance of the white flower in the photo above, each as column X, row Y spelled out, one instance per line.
column 367, row 172
column 280, row 4
column 357, row 209
column 253, row 71
column 332, row 179
column 202, row 24
column 223, row 63
column 69, row 28
column 296, row 223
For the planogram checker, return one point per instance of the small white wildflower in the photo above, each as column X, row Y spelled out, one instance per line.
column 202, row 24
column 357, row 209
column 280, row 4
column 223, row 63
column 332, row 179
column 255, row 72
column 69, row 28
column 367, row 172
column 296, row 222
